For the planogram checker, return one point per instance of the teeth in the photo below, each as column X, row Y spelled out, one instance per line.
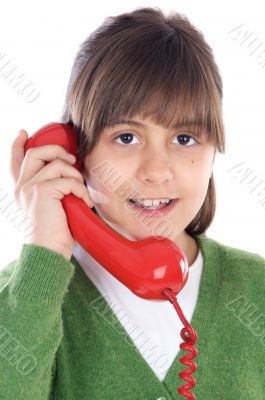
column 151, row 203
column 165, row 200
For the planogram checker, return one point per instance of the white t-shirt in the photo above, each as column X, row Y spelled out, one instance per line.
column 153, row 325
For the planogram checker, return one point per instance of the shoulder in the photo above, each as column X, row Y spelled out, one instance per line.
column 234, row 263
column 229, row 254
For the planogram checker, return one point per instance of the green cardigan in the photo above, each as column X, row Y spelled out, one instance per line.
column 59, row 339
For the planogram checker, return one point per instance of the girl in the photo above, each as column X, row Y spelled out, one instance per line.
column 144, row 97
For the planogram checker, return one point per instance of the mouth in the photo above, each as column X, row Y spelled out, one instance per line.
column 153, row 211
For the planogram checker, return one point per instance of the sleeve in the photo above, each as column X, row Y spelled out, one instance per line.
column 31, row 326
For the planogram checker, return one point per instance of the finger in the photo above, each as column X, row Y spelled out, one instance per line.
column 64, row 186
column 36, row 158
column 17, row 154
column 56, row 169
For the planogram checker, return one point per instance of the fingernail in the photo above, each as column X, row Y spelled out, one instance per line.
column 71, row 157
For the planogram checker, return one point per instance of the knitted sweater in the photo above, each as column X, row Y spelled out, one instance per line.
column 60, row 340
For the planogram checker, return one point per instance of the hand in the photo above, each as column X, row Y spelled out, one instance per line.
column 39, row 188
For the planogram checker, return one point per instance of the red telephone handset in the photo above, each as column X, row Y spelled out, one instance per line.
column 152, row 268
column 147, row 266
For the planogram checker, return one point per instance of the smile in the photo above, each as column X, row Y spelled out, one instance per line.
column 153, row 211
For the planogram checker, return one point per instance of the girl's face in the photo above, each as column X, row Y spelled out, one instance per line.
column 146, row 161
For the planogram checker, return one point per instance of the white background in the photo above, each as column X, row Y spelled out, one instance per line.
column 41, row 39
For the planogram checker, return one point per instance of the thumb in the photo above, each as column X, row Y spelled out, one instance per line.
column 17, row 154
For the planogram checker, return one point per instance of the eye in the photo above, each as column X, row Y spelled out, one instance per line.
column 185, row 139
column 126, row 138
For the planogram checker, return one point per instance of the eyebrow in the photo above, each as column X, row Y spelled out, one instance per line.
column 141, row 125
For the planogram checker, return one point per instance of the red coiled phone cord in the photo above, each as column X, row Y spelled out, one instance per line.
column 189, row 335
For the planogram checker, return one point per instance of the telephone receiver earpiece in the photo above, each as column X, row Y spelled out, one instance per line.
column 147, row 266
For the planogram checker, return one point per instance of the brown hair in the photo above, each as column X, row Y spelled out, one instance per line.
column 145, row 63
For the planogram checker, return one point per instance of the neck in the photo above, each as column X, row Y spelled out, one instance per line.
column 188, row 245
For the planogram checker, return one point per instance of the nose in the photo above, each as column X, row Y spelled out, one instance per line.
column 155, row 168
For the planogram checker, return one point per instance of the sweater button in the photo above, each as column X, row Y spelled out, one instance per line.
column 162, row 398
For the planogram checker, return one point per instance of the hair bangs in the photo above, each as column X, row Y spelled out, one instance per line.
column 160, row 79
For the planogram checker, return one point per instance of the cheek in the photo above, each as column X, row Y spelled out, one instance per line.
column 99, row 175
column 105, row 173
column 197, row 180
column 97, row 190
column 200, row 188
